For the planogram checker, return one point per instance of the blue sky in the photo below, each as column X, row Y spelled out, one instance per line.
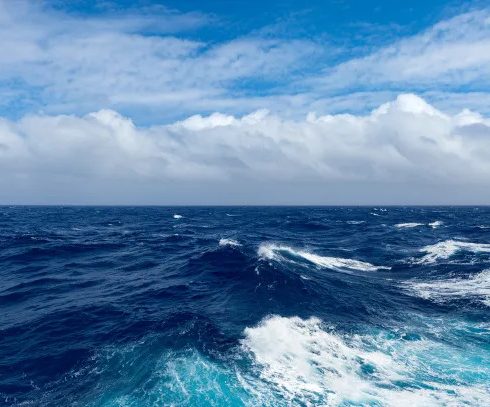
column 276, row 55
column 178, row 98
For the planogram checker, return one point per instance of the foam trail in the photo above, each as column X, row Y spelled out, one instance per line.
column 276, row 252
column 447, row 248
column 229, row 242
column 311, row 365
column 476, row 287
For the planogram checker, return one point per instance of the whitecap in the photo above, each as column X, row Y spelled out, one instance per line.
column 433, row 225
column 408, row 225
column 276, row 252
column 447, row 248
column 229, row 242
column 476, row 287
column 310, row 364
column 355, row 222
column 176, row 216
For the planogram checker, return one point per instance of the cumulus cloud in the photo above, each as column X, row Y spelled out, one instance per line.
column 403, row 142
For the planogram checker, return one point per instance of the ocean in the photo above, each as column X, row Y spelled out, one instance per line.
column 244, row 306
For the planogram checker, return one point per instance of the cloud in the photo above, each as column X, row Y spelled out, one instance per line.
column 453, row 52
column 406, row 142
column 71, row 64
column 153, row 65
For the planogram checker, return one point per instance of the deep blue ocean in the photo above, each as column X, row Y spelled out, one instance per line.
column 244, row 306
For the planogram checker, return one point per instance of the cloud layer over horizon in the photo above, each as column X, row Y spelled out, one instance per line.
column 406, row 145
column 120, row 105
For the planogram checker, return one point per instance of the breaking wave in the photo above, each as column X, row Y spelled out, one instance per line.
column 444, row 250
column 476, row 287
column 433, row 225
column 276, row 252
column 309, row 364
column 229, row 242
column 408, row 225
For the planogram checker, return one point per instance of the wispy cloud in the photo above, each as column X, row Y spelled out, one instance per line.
column 454, row 52
column 69, row 63
column 150, row 65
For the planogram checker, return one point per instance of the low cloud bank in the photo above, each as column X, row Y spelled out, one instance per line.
column 406, row 141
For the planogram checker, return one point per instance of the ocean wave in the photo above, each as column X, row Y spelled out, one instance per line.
column 476, row 287
column 229, row 242
column 408, row 225
column 433, row 225
column 447, row 248
column 174, row 378
column 310, row 365
column 276, row 252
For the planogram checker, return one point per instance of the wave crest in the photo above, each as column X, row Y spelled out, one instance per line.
column 476, row 287
column 408, row 225
column 444, row 250
column 229, row 242
column 311, row 365
column 276, row 252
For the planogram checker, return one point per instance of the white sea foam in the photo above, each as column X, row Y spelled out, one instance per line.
column 229, row 242
column 447, row 248
column 433, row 225
column 177, row 216
column 374, row 214
column 355, row 222
column 311, row 365
column 408, row 225
column 476, row 287
column 276, row 252
column 295, row 361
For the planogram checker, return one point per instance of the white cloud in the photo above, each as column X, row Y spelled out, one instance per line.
column 405, row 142
column 454, row 52
column 72, row 64
column 147, row 64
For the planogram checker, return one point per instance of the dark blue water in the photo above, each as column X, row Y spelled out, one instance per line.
column 230, row 306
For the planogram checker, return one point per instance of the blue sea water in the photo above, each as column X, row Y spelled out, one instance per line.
column 239, row 306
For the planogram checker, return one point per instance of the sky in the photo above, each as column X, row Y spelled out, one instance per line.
column 218, row 102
